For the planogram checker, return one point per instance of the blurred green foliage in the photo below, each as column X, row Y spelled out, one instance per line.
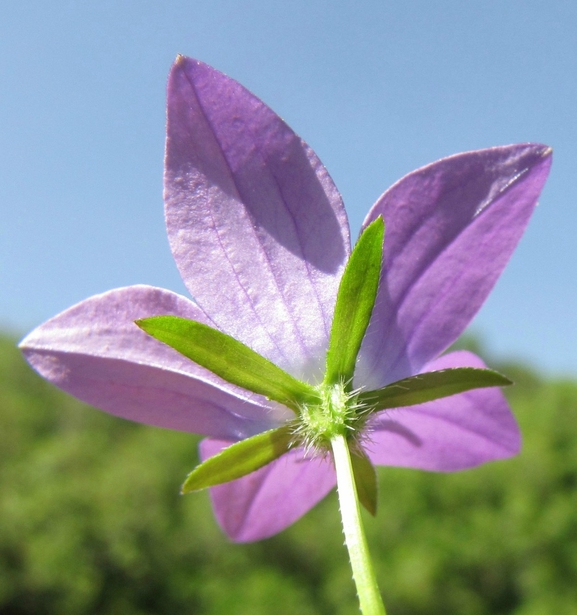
column 91, row 522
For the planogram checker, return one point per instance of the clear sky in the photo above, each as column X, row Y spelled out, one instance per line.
column 376, row 87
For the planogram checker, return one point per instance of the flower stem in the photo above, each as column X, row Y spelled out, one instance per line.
column 363, row 574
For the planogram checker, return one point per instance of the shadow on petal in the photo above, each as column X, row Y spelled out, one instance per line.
column 396, row 428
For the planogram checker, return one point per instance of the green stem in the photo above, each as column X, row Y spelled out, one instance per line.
column 363, row 574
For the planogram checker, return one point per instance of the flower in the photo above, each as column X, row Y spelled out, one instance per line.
column 260, row 236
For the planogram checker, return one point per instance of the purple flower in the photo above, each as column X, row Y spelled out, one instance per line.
column 260, row 236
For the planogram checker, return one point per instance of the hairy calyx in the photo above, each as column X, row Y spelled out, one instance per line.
column 338, row 413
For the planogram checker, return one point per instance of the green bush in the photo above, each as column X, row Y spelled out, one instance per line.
column 91, row 522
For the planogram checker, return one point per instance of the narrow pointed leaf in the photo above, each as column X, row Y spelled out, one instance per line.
column 355, row 301
column 240, row 459
column 431, row 385
column 229, row 359
column 365, row 480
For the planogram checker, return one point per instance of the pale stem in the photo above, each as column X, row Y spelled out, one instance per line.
column 363, row 574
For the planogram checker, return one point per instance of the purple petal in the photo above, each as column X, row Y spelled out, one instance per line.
column 451, row 228
column 447, row 434
column 255, row 223
column 269, row 500
column 95, row 352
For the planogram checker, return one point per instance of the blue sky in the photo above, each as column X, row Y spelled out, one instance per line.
column 377, row 88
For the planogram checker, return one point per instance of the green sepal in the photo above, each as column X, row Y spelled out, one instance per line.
column 240, row 459
column 431, row 385
column 354, row 305
column 230, row 359
column 365, row 480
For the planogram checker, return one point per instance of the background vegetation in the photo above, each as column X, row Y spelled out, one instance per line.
column 91, row 522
